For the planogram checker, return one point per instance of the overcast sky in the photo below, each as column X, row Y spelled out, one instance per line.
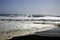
column 46, row 7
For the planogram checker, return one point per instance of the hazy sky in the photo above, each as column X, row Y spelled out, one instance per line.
column 49, row 7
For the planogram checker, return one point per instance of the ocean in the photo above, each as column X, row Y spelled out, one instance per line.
column 11, row 15
column 43, row 27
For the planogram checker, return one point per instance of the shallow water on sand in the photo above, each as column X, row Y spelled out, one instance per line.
column 8, row 29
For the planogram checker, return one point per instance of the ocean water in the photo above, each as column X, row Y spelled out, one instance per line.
column 20, row 28
column 11, row 15
column 26, row 17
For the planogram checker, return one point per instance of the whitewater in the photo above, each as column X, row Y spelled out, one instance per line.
column 12, row 27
